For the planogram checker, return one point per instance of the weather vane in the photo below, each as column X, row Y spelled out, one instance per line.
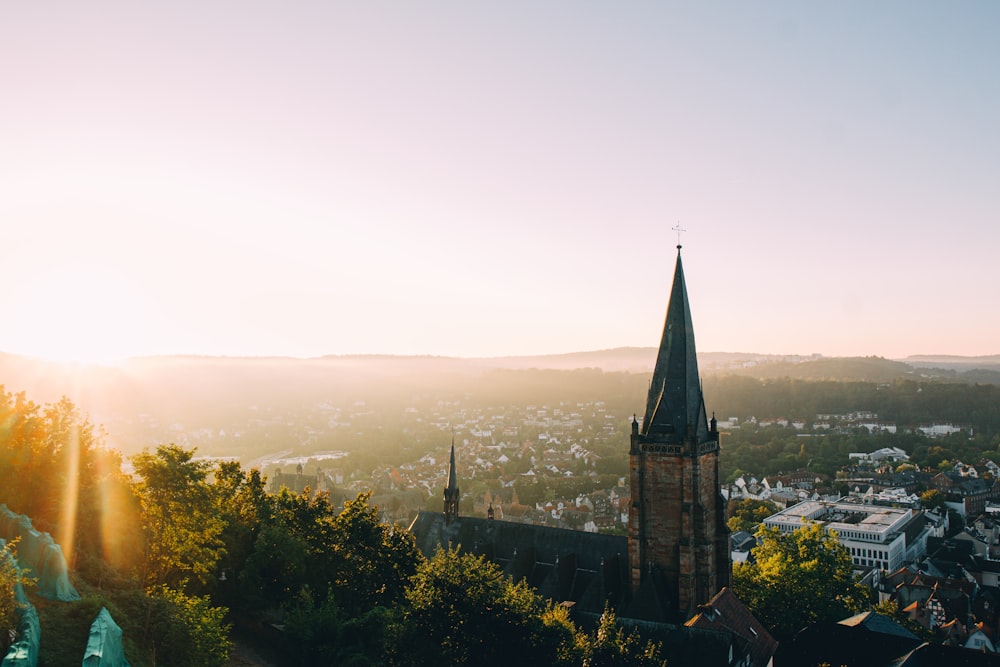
column 677, row 228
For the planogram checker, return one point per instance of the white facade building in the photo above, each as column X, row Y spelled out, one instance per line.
column 875, row 536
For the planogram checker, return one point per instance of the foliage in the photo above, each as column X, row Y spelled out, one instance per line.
column 956, row 522
column 748, row 513
column 611, row 647
column 188, row 630
column 932, row 499
column 85, row 491
column 182, row 526
column 322, row 633
column 65, row 647
column 10, row 577
column 308, row 542
column 799, row 578
column 462, row 610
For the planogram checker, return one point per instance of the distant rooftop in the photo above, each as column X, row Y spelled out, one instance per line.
column 842, row 517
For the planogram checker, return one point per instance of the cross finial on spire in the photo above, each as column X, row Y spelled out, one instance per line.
column 677, row 228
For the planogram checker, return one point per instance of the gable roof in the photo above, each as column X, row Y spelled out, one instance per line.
column 875, row 622
column 727, row 613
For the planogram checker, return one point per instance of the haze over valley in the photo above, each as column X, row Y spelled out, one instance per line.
column 254, row 409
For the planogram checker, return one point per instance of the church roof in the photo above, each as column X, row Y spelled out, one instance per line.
column 563, row 565
column 675, row 401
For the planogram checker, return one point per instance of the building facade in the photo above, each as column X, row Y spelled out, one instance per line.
column 877, row 537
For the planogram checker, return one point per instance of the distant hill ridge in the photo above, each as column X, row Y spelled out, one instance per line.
column 621, row 359
column 202, row 393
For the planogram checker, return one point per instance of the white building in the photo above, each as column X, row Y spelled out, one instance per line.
column 875, row 536
column 886, row 453
column 939, row 430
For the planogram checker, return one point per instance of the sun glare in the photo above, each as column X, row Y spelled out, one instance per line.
column 76, row 316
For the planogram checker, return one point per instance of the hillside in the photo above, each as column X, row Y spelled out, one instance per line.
column 257, row 406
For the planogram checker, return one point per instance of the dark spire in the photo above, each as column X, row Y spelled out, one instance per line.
column 452, row 480
column 451, row 493
column 675, row 405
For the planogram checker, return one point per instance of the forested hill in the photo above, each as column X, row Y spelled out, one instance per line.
column 48, row 381
column 215, row 385
column 158, row 399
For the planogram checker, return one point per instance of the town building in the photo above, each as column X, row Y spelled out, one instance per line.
column 877, row 537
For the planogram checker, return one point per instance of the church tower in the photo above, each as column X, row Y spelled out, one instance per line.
column 678, row 542
column 451, row 491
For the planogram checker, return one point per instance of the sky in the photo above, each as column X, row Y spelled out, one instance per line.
column 497, row 178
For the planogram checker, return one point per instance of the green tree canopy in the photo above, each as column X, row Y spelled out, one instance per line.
column 181, row 523
column 462, row 610
column 55, row 469
column 611, row 647
column 799, row 578
column 748, row 513
column 932, row 499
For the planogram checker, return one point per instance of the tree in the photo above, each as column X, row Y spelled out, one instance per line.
column 462, row 610
column 182, row 526
column 55, row 469
column 322, row 633
column 932, row 499
column 372, row 562
column 798, row 579
column 748, row 513
column 188, row 629
column 611, row 647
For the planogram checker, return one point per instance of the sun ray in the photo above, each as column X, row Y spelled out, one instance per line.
column 66, row 532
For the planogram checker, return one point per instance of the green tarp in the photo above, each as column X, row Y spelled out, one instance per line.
column 37, row 553
column 24, row 651
column 104, row 647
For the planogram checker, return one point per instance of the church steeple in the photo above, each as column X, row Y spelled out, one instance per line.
column 451, row 493
column 674, row 405
column 678, row 541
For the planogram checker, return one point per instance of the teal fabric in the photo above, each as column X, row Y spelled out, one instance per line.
column 38, row 556
column 24, row 651
column 104, row 647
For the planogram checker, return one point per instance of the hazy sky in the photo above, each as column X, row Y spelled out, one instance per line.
column 490, row 178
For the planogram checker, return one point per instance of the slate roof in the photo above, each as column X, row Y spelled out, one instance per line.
column 588, row 569
column 874, row 622
column 868, row 644
column 934, row 655
column 838, row 644
column 726, row 613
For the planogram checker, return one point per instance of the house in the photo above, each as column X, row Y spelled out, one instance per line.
column 967, row 495
column 873, row 640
